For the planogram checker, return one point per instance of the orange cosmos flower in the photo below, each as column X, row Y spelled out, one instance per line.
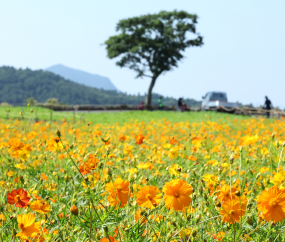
column 139, row 216
column 84, row 169
column 219, row 236
column 27, row 225
column 122, row 137
column 232, row 210
column 119, row 192
column 106, row 240
column 92, row 162
column 148, row 197
column 173, row 141
column 44, row 176
column 40, row 206
column 272, row 204
column 227, row 193
column 139, row 139
column 18, row 197
column 177, row 194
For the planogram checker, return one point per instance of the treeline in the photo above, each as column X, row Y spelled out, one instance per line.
column 18, row 85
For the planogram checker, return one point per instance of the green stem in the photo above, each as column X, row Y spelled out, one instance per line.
column 106, row 233
column 90, row 235
column 57, row 179
column 96, row 211
column 72, row 160
column 280, row 158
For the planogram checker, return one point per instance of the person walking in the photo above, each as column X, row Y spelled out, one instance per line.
column 160, row 103
column 268, row 106
column 181, row 105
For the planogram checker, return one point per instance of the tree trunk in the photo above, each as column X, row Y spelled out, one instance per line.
column 148, row 103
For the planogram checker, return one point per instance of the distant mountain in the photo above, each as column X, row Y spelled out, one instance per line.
column 82, row 77
column 17, row 85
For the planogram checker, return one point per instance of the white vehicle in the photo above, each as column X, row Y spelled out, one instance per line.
column 216, row 100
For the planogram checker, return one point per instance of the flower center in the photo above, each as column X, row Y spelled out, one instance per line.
column 21, row 226
column 119, row 188
column 18, row 197
column 273, row 202
column 148, row 196
column 176, row 195
column 232, row 212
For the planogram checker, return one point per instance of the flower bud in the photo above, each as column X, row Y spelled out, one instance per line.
column 56, row 139
column 198, row 217
column 58, row 133
column 218, row 204
column 194, row 233
column 257, row 176
column 231, row 159
column 74, row 210
column 249, row 220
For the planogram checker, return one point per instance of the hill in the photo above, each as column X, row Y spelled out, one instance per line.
column 16, row 85
column 82, row 77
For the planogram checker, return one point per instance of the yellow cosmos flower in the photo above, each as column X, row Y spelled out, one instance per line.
column 20, row 166
column 278, row 179
column 174, row 169
column 10, row 173
column 173, row 153
column 29, row 229
column 40, row 206
column 211, row 180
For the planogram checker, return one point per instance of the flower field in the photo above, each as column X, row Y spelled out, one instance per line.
column 210, row 180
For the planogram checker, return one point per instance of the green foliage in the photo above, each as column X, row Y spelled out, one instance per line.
column 18, row 85
column 31, row 101
column 52, row 101
column 153, row 44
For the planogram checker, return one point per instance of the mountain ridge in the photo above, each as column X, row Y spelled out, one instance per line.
column 82, row 77
column 17, row 85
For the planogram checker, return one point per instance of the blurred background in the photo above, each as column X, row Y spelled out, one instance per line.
column 243, row 52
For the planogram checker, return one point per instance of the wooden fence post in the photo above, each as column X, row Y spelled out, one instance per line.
column 50, row 115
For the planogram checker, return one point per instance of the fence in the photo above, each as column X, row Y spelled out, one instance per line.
column 252, row 111
column 70, row 113
column 43, row 116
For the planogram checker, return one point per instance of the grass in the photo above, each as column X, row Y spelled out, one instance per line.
column 114, row 117
column 78, row 176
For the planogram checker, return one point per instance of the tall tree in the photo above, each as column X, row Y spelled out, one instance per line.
column 153, row 44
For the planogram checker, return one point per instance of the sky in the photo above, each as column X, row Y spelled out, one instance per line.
column 243, row 52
